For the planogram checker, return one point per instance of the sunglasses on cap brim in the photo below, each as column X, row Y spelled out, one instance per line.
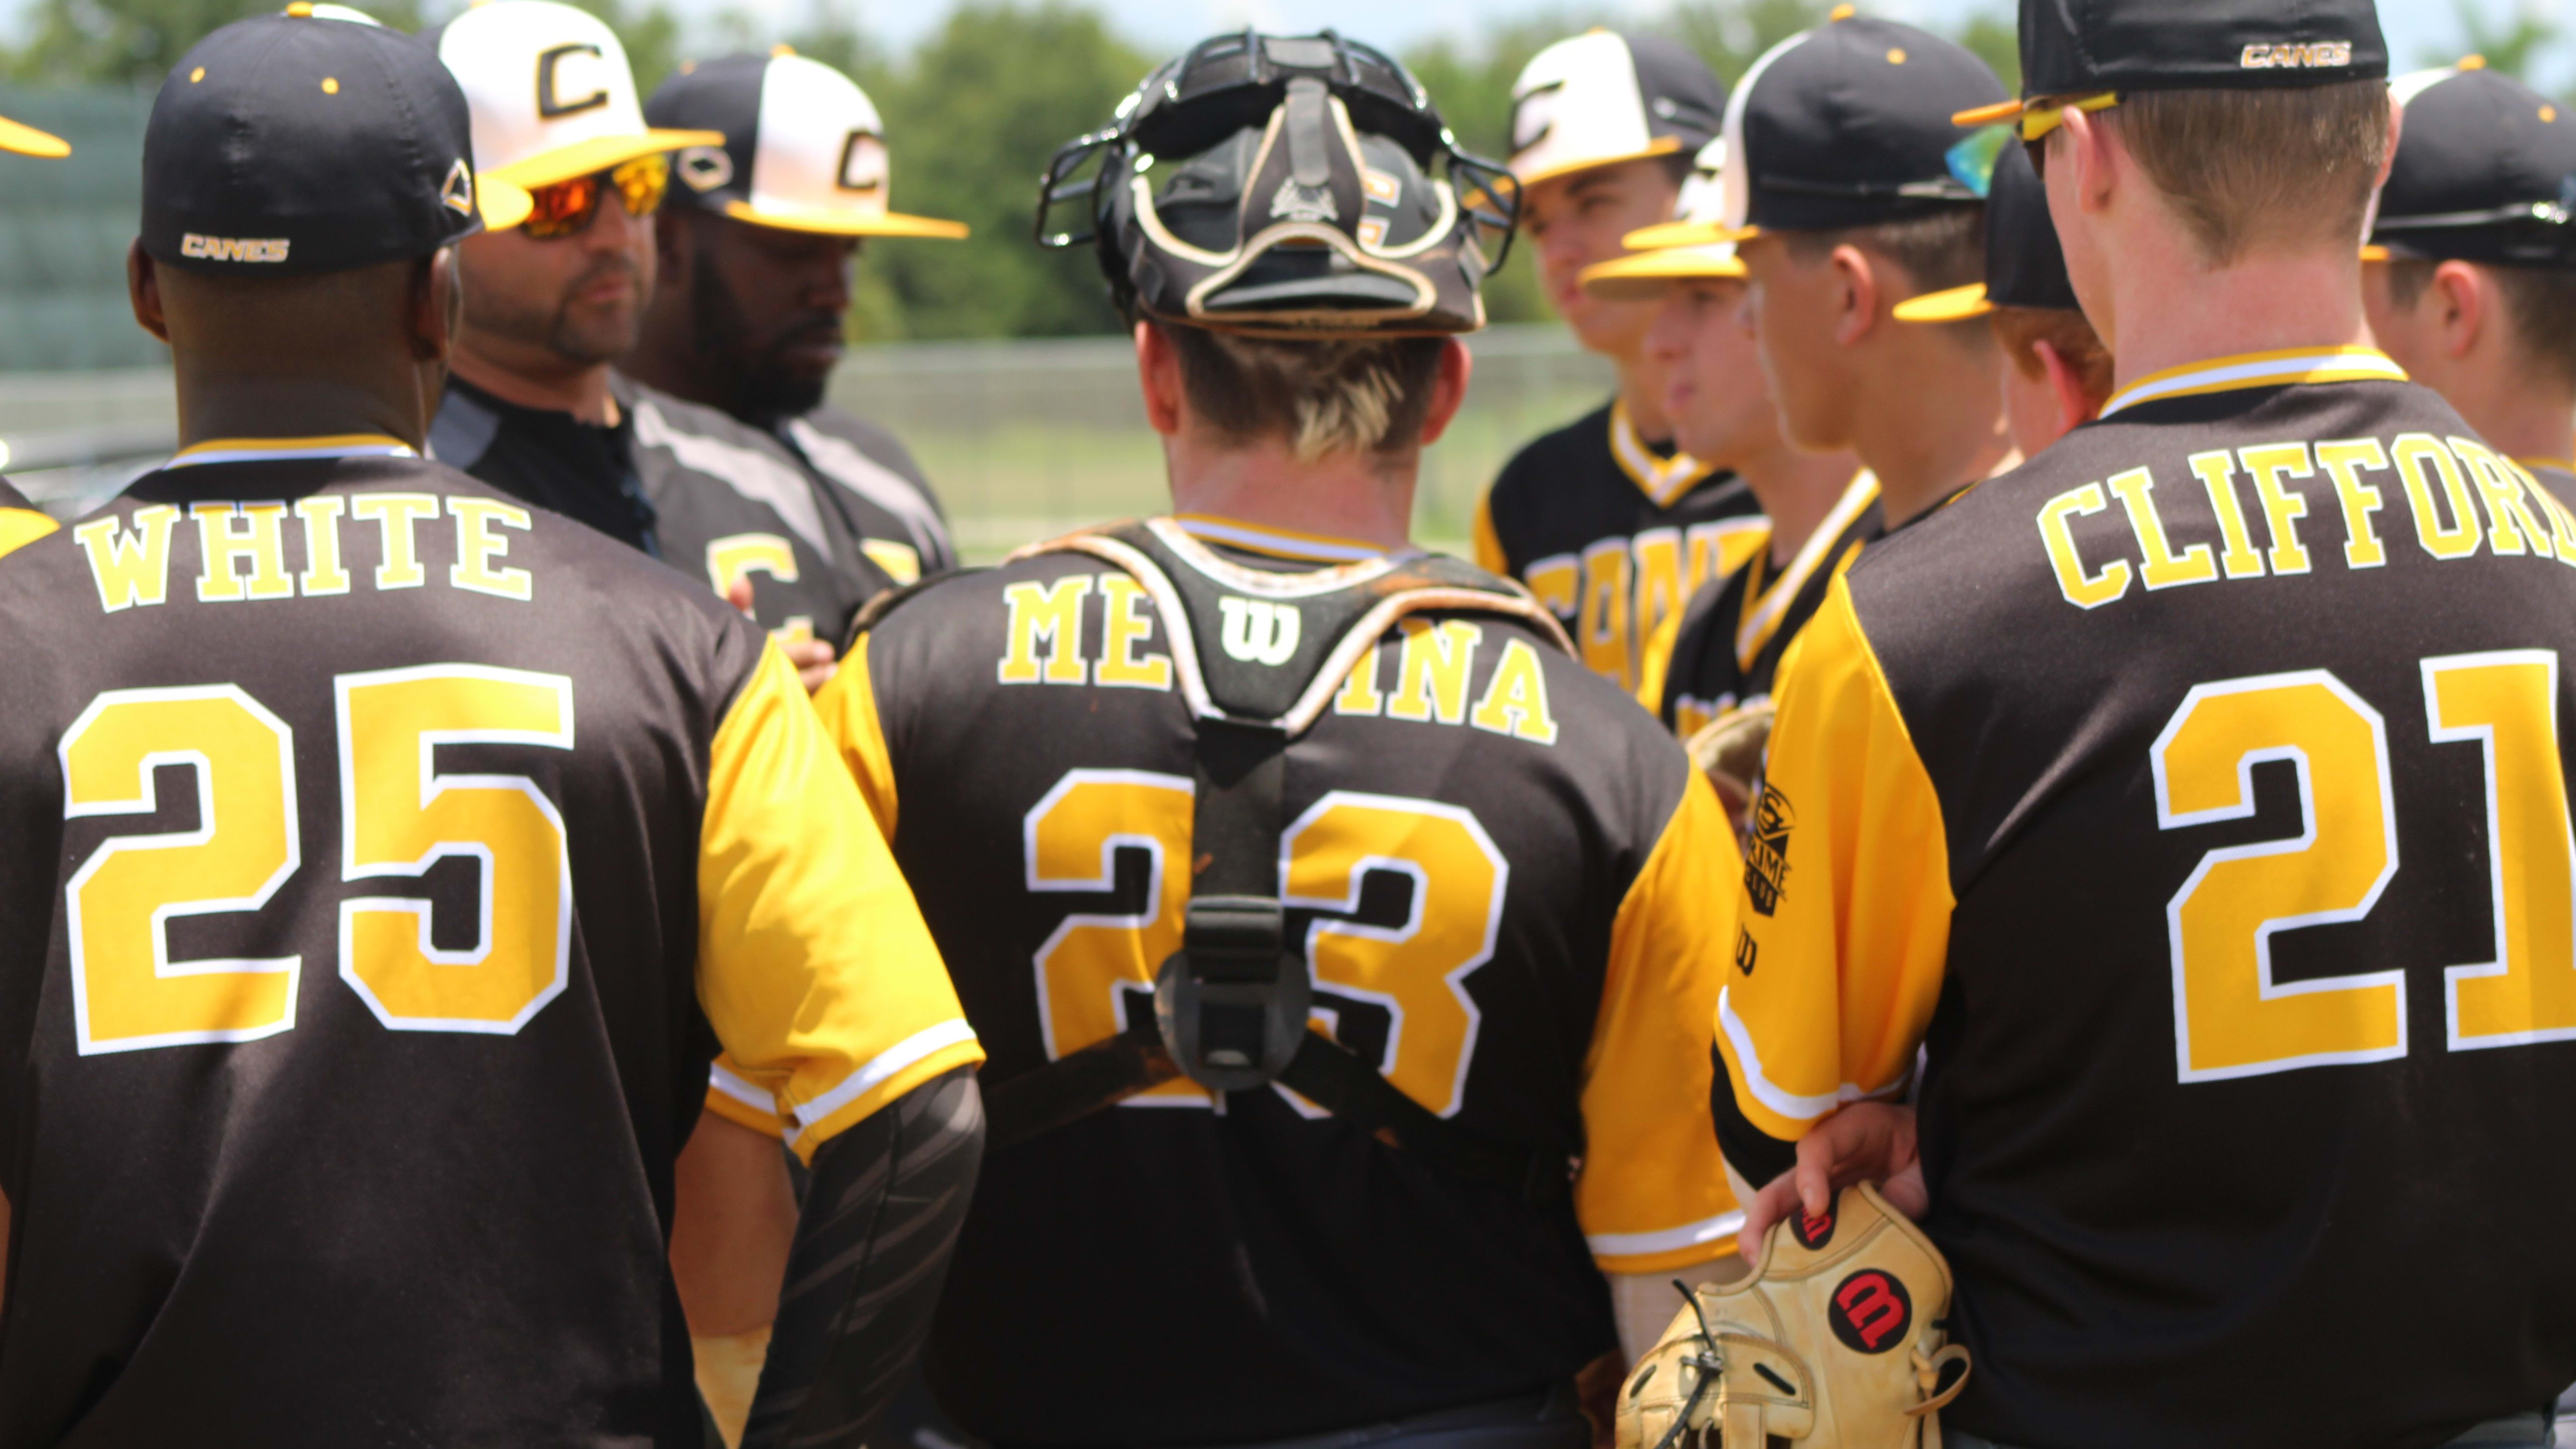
column 567, row 208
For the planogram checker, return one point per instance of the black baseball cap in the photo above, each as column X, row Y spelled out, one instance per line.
column 2095, row 49
column 1848, row 125
column 299, row 143
column 2025, row 266
column 2485, row 172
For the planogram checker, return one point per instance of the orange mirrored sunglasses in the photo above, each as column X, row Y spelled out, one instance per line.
column 567, row 207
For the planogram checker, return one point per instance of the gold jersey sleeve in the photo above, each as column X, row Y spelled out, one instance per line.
column 1653, row 1193
column 848, row 706
column 814, row 965
column 20, row 527
column 1489, row 544
column 1844, row 911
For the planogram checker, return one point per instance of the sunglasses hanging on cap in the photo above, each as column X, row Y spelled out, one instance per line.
column 567, row 207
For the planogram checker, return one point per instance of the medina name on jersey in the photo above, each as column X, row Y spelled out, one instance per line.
column 1494, row 868
column 1614, row 534
column 370, row 838
column 2198, row 794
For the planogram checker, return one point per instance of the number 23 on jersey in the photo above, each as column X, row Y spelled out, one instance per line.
column 399, row 816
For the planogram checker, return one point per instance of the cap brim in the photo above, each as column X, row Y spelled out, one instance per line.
column 1690, row 234
column 503, row 206
column 1648, row 274
column 599, row 153
column 1659, row 146
column 1987, row 115
column 1955, row 305
column 844, row 223
column 2374, row 253
column 28, row 141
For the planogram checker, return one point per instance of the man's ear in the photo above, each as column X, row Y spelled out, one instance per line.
column 2459, row 295
column 2089, row 149
column 2075, row 406
column 143, row 291
column 1448, row 389
column 436, row 306
column 1855, row 294
column 1158, row 371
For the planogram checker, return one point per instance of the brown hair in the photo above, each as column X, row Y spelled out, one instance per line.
column 2539, row 307
column 1320, row 398
column 2019, row 328
column 1938, row 250
column 2287, row 167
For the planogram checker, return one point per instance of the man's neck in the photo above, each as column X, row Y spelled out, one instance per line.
column 536, row 378
column 2521, row 420
column 2268, row 303
column 1796, row 490
column 1641, row 393
column 236, row 407
column 1936, row 425
column 657, row 369
column 1342, row 497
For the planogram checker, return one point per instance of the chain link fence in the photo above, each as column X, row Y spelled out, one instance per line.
column 1023, row 440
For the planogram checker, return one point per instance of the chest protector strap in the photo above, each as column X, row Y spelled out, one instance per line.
column 1231, row 1006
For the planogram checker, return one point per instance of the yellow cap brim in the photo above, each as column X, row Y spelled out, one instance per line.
column 1955, row 305
column 2374, row 254
column 1659, row 146
column 1648, row 274
column 599, row 153
column 28, row 141
column 1666, row 234
column 503, row 206
column 1987, row 115
column 844, row 223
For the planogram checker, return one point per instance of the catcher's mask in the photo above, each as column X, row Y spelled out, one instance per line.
column 1303, row 204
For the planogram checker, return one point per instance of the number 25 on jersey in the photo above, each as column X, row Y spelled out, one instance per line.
column 399, row 816
column 2231, row 1017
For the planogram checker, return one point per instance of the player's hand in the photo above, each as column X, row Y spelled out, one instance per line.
column 1864, row 1142
column 813, row 659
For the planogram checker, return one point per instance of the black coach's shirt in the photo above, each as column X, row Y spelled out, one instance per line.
column 1497, row 868
column 549, row 458
column 888, row 500
column 1614, row 533
column 2197, row 794
column 386, row 859
column 1723, row 650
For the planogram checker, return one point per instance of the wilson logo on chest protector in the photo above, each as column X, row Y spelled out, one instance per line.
column 1256, row 631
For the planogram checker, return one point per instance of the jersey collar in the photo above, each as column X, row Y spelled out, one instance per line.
column 2562, row 465
column 2259, row 369
column 1763, row 619
column 1660, row 479
column 279, row 450
column 1277, row 542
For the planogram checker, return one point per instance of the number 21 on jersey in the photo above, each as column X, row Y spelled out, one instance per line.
column 2231, row 1018
column 399, row 817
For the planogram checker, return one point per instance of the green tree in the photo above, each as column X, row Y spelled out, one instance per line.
column 971, row 122
column 2507, row 45
column 135, row 42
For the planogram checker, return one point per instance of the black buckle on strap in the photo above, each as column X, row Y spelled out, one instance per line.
column 1232, row 1001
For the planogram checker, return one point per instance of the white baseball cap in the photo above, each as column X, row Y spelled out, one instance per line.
column 1601, row 97
column 551, row 93
column 801, row 147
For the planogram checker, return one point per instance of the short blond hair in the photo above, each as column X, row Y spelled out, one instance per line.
column 1320, row 398
column 2284, row 167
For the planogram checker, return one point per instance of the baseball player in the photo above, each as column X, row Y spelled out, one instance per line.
column 20, row 522
column 1604, row 519
column 533, row 407
column 387, row 861
column 2061, row 373
column 2472, row 281
column 1819, row 506
column 1423, row 896
column 754, row 269
column 2192, row 801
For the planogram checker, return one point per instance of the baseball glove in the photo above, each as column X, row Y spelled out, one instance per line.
column 1837, row 1342
column 1728, row 749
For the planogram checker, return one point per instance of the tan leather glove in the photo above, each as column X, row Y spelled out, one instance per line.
column 728, row 1376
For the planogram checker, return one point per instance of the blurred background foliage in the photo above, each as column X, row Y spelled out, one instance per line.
column 975, row 108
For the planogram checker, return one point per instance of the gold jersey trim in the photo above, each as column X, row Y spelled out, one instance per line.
column 1762, row 620
column 1277, row 542
column 274, row 450
column 1660, row 479
column 2260, row 369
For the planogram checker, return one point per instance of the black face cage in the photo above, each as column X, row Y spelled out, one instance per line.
column 1230, row 82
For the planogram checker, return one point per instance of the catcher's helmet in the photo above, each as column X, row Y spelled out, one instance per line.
column 1304, row 203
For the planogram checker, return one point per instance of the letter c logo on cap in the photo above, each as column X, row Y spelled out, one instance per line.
column 549, row 103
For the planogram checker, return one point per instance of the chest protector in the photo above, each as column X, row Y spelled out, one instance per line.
column 1258, row 657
